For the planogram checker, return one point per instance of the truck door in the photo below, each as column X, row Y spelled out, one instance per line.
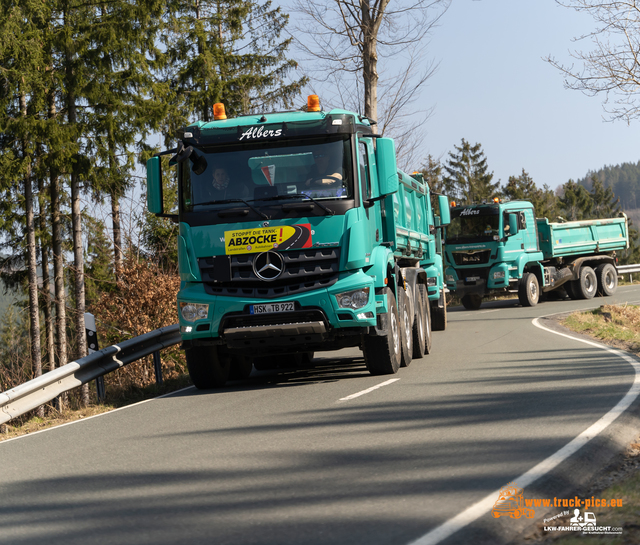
column 366, row 168
column 527, row 226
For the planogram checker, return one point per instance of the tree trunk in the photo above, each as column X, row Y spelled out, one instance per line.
column 58, row 277
column 46, row 281
column 78, row 248
column 32, row 267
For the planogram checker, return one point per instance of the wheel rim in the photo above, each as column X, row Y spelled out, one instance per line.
column 395, row 334
column 588, row 283
column 533, row 289
column 609, row 280
column 407, row 326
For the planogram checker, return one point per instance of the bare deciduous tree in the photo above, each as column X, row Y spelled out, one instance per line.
column 370, row 55
column 612, row 67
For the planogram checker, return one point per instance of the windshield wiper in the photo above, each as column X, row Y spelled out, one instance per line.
column 228, row 201
column 297, row 196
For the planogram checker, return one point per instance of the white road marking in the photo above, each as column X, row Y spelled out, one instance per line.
column 483, row 507
column 363, row 392
column 91, row 417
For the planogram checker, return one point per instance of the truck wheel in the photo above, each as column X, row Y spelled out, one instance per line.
column 241, row 367
column 607, row 279
column 207, row 368
column 471, row 301
column 426, row 307
column 568, row 287
column 405, row 328
column 528, row 290
column 587, row 284
column 439, row 316
column 418, row 330
column 382, row 354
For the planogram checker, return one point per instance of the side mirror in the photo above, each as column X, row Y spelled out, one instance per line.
column 445, row 214
column 386, row 166
column 513, row 224
column 154, row 186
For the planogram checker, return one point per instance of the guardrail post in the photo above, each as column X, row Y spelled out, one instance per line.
column 157, row 366
column 92, row 346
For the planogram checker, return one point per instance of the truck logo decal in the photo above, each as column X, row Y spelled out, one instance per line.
column 260, row 132
column 283, row 237
column 469, row 212
column 268, row 266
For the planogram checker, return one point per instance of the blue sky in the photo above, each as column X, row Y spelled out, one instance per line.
column 494, row 87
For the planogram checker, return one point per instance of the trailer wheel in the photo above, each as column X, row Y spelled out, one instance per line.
column 418, row 330
column 426, row 307
column 607, row 279
column 405, row 328
column 587, row 284
column 382, row 354
column 207, row 367
column 529, row 290
column 471, row 301
column 439, row 316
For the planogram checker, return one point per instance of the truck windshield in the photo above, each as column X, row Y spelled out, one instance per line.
column 474, row 224
column 261, row 172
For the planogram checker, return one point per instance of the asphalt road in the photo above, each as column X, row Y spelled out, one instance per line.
column 284, row 458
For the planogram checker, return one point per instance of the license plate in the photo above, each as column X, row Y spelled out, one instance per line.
column 287, row 306
column 472, row 278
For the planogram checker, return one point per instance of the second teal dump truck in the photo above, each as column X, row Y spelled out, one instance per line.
column 298, row 233
column 501, row 246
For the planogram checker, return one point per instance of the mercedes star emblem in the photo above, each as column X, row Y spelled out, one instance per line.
column 268, row 265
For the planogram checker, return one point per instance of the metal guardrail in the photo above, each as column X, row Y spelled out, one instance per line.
column 628, row 269
column 32, row 394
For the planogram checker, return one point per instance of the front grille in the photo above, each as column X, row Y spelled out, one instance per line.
column 277, row 318
column 304, row 270
column 471, row 258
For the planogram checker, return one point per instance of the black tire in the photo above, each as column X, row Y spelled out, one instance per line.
column 528, row 290
column 568, row 287
column 587, row 285
column 207, row 368
column 471, row 301
column 439, row 316
column 241, row 367
column 382, row 355
column 266, row 363
column 418, row 330
column 607, row 277
column 404, row 309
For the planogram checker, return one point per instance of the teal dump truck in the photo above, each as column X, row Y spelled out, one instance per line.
column 501, row 246
column 297, row 233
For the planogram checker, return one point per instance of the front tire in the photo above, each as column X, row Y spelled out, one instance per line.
column 439, row 315
column 207, row 367
column 529, row 290
column 607, row 277
column 382, row 354
column 471, row 301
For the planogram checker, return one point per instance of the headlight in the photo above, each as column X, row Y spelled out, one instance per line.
column 498, row 274
column 193, row 311
column 432, row 281
column 450, row 278
column 353, row 299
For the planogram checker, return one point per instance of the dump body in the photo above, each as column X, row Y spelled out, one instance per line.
column 575, row 238
column 501, row 247
column 315, row 236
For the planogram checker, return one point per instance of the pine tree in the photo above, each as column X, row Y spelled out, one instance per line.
column 523, row 188
column 226, row 51
column 575, row 202
column 467, row 179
